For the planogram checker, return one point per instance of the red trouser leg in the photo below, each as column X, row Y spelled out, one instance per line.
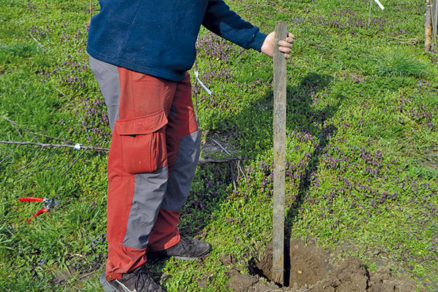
column 153, row 154
column 137, row 168
column 183, row 142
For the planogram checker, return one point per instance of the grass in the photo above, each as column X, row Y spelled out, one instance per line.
column 361, row 148
column 400, row 63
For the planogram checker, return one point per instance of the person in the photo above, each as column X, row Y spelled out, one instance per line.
column 140, row 52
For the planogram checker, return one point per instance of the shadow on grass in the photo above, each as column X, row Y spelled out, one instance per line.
column 312, row 83
column 303, row 188
column 254, row 124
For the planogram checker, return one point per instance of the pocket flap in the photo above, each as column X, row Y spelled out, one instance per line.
column 142, row 125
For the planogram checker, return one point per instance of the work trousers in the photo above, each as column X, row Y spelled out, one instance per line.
column 154, row 150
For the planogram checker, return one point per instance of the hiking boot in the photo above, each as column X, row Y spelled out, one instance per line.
column 137, row 281
column 186, row 249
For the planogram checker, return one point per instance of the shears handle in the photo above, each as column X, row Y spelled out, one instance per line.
column 31, row 199
column 40, row 211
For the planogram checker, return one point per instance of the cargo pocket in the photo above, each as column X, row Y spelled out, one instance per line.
column 143, row 142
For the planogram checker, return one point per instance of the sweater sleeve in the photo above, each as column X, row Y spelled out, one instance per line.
column 227, row 24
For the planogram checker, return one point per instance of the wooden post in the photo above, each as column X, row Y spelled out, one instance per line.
column 428, row 26
column 434, row 24
column 369, row 13
column 279, row 155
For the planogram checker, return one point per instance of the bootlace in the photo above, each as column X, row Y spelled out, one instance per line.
column 186, row 244
column 144, row 279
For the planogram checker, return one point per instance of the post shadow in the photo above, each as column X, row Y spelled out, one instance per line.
column 301, row 116
column 312, row 82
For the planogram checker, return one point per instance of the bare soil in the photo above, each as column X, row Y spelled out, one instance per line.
column 315, row 270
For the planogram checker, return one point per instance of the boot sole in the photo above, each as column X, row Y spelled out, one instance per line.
column 187, row 258
column 106, row 285
column 191, row 258
column 162, row 255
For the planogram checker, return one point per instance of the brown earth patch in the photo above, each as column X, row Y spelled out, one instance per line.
column 313, row 269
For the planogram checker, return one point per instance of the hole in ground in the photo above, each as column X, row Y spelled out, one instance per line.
column 316, row 270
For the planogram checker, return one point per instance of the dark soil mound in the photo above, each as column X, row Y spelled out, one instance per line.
column 311, row 271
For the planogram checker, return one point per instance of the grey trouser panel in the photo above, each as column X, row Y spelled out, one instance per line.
column 180, row 180
column 107, row 76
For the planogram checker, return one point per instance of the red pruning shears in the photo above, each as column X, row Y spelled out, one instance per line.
column 48, row 203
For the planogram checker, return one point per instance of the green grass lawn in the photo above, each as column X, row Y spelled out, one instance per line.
column 362, row 144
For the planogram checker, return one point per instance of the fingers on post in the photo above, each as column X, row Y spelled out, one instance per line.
column 285, row 50
column 285, row 44
column 290, row 38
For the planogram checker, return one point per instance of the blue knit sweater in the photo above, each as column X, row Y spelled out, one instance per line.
column 157, row 37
